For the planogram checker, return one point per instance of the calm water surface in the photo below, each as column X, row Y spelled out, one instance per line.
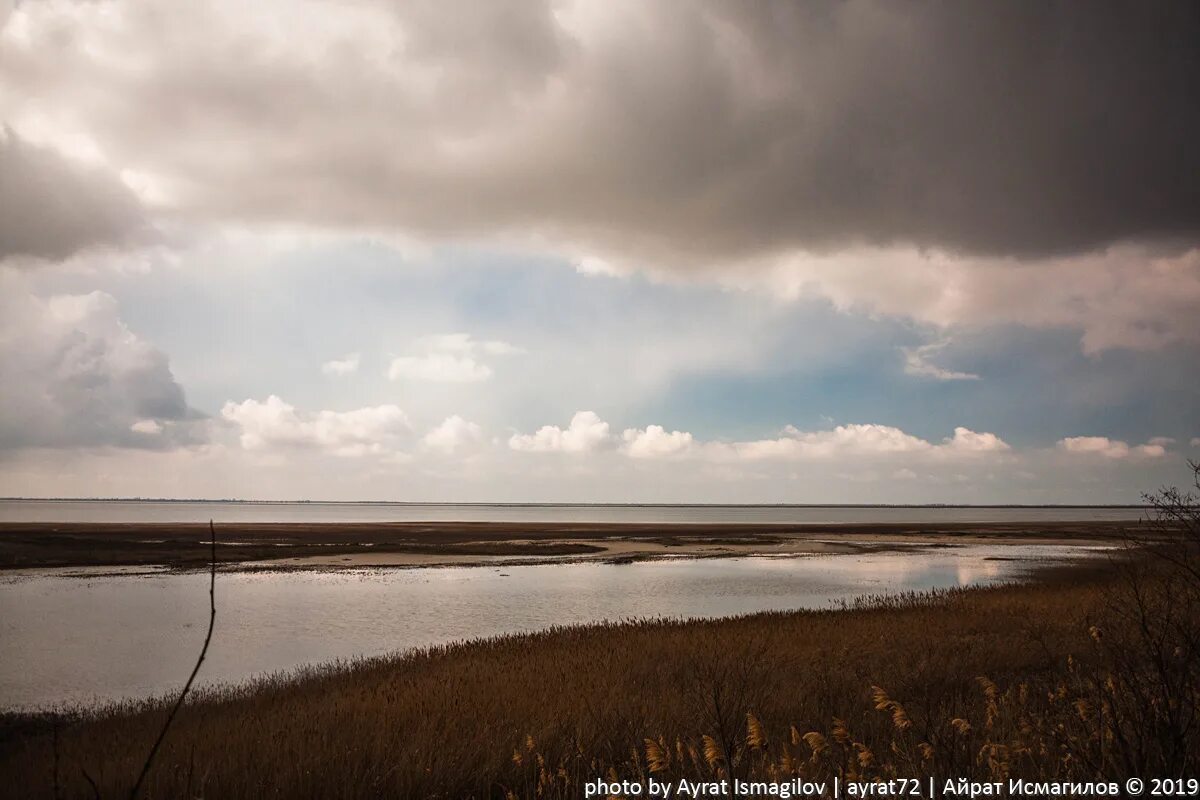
column 150, row 511
column 80, row 637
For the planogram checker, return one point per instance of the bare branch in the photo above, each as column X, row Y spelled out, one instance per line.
column 212, row 617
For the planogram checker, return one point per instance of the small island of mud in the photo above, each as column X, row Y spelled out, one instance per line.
column 415, row 544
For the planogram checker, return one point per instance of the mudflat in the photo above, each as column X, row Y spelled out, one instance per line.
column 415, row 544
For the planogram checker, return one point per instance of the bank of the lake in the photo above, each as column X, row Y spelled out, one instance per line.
column 94, row 635
column 553, row 708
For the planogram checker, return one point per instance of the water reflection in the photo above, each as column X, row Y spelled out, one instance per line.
column 85, row 637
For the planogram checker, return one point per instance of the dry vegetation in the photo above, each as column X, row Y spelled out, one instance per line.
column 481, row 719
column 1086, row 676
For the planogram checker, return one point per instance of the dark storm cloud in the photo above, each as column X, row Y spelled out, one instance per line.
column 51, row 207
column 1002, row 128
column 672, row 132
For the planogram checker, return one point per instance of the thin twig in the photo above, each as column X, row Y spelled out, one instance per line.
column 92, row 782
column 212, row 617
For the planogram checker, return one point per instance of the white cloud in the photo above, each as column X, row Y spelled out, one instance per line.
column 854, row 439
column 464, row 343
column 1127, row 296
column 449, row 358
column 453, row 435
column 596, row 266
column 968, row 441
column 1094, row 445
column 917, row 362
column 74, row 375
column 274, row 423
column 453, row 462
column 858, row 440
column 1114, row 449
column 438, row 368
column 655, row 442
column 1195, row 441
column 147, row 426
column 586, row 433
column 346, row 365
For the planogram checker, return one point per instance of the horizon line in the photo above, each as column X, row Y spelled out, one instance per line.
column 535, row 504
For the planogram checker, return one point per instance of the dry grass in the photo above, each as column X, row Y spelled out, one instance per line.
column 538, row 714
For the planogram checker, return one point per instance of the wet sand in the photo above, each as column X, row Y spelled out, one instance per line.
column 408, row 544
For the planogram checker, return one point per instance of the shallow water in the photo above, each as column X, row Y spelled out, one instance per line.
column 82, row 637
column 181, row 511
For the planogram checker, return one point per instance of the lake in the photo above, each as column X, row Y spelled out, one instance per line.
column 88, row 636
column 183, row 511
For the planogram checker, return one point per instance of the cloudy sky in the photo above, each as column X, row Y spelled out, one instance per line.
column 599, row 251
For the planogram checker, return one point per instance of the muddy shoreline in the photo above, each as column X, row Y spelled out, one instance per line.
column 417, row 544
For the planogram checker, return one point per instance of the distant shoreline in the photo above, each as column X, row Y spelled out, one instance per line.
column 315, row 545
column 481, row 504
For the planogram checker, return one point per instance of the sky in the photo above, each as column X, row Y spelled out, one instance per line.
column 578, row 251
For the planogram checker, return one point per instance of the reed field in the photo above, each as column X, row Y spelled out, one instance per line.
column 1081, row 675
column 1010, row 680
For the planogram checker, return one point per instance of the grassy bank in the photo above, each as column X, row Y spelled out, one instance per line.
column 888, row 689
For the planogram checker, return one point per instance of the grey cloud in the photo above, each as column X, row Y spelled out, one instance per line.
column 51, row 207
column 1001, row 128
column 75, row 376
column 677, row 132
